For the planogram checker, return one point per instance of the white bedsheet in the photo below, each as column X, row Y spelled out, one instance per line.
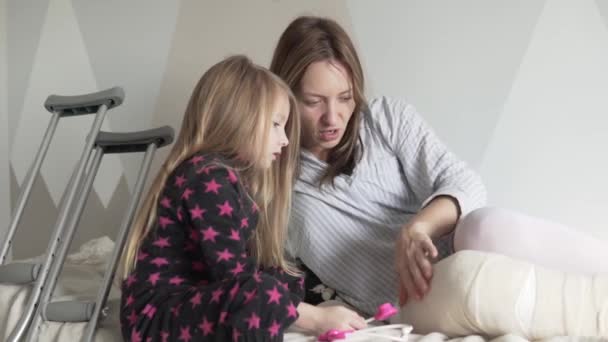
column 438, row 337
column 293, row 335
column 82, row 275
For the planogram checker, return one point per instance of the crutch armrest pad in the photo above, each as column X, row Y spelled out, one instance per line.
column 134, row 141
column 86, row 103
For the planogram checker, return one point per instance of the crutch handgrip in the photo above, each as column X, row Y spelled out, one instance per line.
column 69, row 311
column 84, row 104
column 19, row 273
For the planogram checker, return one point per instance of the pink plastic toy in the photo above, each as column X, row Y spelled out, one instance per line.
column 333, row 335
column 385, row 311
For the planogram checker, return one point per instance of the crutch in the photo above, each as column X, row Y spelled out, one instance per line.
column 37, row 273
column 89, row 311
column 60, row 107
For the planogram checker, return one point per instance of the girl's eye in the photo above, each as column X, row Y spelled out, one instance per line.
column 276, row 124
column 346, row 98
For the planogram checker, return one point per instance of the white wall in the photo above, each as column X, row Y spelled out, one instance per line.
column 517, row 88
column 5, row 205
column 70, row 47
column 454, row 60
column 548, row 150
column 156, row 50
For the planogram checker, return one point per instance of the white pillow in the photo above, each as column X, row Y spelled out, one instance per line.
column 489, row 294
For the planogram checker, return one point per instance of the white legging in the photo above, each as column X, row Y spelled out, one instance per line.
column 539, row 241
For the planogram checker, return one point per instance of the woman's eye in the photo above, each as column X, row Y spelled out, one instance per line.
column 276, row 124
column 346, row 98
column 311, row 103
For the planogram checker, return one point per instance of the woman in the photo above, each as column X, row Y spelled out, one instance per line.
column 378, row 191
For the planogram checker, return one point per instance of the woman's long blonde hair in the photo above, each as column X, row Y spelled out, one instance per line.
column 230, row 112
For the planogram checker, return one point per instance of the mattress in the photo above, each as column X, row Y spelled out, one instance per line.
column 83, row 272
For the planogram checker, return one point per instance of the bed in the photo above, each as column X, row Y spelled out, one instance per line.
column 449, row 313
column 80, row 279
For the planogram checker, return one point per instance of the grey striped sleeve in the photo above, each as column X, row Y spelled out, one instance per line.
column 430, row 168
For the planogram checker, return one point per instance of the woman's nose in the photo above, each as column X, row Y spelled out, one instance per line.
column 330, row 117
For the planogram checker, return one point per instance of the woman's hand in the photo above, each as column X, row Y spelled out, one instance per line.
column 414, row 252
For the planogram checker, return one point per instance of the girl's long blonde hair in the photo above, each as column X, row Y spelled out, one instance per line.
column 230, row 112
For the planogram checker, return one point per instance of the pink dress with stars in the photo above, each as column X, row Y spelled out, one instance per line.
column 194, row 279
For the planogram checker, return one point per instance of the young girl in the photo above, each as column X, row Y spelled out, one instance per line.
column 204, row 261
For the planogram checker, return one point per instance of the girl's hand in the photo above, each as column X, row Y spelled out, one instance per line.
column 340, row 318
column 320, row 319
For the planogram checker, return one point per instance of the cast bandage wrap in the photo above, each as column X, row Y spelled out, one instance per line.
column 483, row 293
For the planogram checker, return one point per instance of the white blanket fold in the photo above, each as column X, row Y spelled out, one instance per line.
column 80, row 279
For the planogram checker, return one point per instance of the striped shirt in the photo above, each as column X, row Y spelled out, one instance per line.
column 346, row 235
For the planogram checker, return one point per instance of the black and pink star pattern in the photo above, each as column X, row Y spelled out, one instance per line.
column 195, row 279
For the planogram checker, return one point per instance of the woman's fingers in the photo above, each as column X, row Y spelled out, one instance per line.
column 429, row 247
column 402, row 260
column 415, row 270
column 425, row 265
column 401, row 269
column 419, row 282
column 402, row 295
column 407, row 277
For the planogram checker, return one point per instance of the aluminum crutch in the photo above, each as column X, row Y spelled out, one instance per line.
column 89, row 311
column 38, row 273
